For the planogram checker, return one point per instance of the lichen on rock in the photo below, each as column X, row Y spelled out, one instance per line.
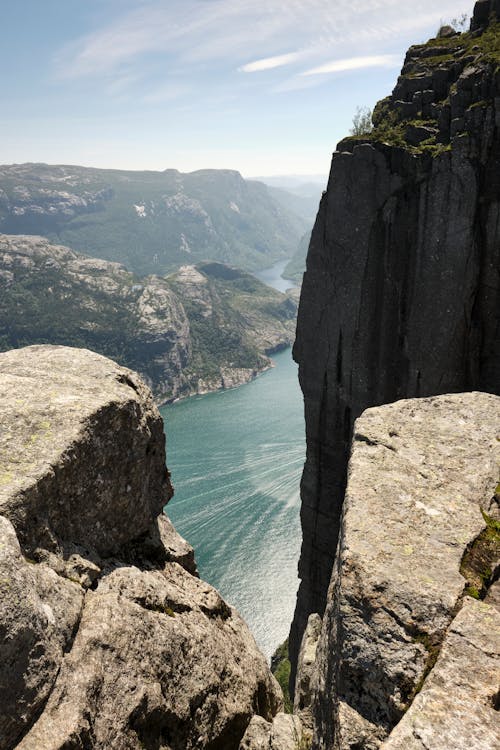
column 109, row 639
column 421, row 472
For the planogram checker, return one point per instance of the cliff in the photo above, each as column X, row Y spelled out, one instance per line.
column 203, row 328
column 400, row 298
column 108, row 638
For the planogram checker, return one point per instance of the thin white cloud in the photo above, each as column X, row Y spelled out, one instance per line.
column 267, row 63
column 354, row 63
column 166, row 93
column 188, row 33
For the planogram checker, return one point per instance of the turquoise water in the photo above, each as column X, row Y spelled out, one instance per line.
column 236, row 459
column 272, row 276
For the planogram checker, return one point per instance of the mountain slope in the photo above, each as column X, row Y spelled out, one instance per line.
column 152, row 222
column 203, row 328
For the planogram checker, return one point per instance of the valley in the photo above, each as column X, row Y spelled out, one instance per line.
column 153, row 222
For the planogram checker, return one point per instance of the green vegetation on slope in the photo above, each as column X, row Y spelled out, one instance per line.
column 417, row 115
column 203, row 328
column 152, row 222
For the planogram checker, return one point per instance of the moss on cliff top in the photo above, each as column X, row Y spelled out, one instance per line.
column 395, row 116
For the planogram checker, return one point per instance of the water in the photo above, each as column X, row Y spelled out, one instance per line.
column 236, row 458
column 272, row 276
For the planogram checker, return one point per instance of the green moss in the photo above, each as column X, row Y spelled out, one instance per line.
column 433, row 648
column 161, row 608
column 280, row 667
column 473, row 592
column 480, row 556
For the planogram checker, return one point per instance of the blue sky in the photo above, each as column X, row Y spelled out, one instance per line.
column 262, row 87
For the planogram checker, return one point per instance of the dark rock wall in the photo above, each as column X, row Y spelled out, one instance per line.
column 401, row 294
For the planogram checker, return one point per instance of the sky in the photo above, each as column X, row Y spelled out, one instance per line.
column 264, row 87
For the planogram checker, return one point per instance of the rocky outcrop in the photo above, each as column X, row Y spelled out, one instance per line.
column 401, row 294
column 202, row 329
column 306, row 668
column 108, row 639
column 395, row 660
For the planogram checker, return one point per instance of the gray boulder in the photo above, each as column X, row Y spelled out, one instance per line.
column 38, row 612
column 285, row 732
column 108, row 638
column 420, row 473
column 83, row 452
column 159, row 660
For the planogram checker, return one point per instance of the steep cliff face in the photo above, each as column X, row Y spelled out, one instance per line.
column 108, row 638
column 401, row 296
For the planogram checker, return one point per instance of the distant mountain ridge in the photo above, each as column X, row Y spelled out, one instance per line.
column 203, row 328
column 152, row 222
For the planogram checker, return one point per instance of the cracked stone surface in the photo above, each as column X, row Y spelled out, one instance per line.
column 306, row 666
column 419, row 474
column 458, row 705
column 108, row 638
column 285, row 732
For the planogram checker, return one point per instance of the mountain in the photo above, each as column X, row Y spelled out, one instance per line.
column 202, row 328
column 302, row 202
column 302, row 199
column 152, row 222
column 299, row 183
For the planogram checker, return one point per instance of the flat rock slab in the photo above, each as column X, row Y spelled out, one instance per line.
column 458, row 705
column 419, row 473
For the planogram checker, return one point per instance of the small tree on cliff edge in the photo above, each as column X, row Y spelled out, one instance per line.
column 362, row 121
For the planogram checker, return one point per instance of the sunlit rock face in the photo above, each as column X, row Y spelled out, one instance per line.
column 109, row 639
column 420, row 494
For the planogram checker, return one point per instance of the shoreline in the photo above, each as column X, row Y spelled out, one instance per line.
column 254, row 374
